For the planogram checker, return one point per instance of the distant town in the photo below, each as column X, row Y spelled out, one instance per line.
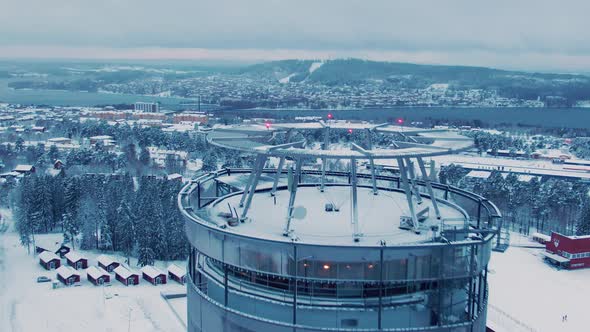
column 305, row 84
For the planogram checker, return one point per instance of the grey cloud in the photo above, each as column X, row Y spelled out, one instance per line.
column 502, row 26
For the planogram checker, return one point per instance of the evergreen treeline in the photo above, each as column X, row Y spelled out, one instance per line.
column 553, row 205
column 138, row 217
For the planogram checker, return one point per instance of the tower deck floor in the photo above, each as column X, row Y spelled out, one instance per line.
column 378, row 215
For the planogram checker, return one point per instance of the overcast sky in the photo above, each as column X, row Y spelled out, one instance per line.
column 525, row 34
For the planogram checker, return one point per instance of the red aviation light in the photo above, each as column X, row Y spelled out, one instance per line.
column 330, row 116
column 400, row 121
column 267, row 125
column 350, row 131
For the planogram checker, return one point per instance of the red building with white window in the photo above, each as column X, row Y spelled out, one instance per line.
column 571, row 252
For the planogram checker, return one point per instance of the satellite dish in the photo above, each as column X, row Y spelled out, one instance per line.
column 299, row 212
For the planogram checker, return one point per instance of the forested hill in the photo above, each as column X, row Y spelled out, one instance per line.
column 406, row 75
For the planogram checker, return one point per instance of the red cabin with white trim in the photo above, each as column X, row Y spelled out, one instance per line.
column 177, row 273
column 98, row 276
column 49, row 260
column 67, row 275
column 125, row 276
column 153, row 275
column 76, row 260
column 107, row 262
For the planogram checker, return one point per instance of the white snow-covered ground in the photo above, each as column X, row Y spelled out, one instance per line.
column 526, row 294
column 26, row 305
column 287, row 79
column 180, row 307
column 315, row 66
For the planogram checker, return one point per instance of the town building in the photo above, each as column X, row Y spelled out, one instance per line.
column 146, row 107
column 196, row 117
column 49, row 260
column 75, row 260
column 24, row 169
column 104, row 139
column 107, row 262
column 153, row 275
column 98, row 276
column 570, row 252
column 125, row 276
column 59, row 140
column 52, row 245
column 177, row 273
column 174, row 177
column 67, row 275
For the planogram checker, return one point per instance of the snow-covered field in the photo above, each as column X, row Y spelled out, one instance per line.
column 526, row 292
column 525, row 295
column 26, row 305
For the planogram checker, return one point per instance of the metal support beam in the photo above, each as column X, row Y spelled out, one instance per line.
column 296, row 260
column 277, row 176
column 373, row 177
column 293, row 182
column 325, row 146
column 429, row 188
column 285, row 146
column 371, row 165
column 225, row 286
column 369, row 141
column 323, row 176
column 412, row 175
column 248, row 184
column 354, row 202
column 471, row 293
column 408, row 191
column 260, row 161
column 381, row 277
column 198, row 195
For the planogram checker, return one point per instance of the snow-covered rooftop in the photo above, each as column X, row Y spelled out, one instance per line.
column 541, row 236
column 65, row 271
column 174, row 176
column 96, row 272
column 47, row 256
column 106, row 260
column 479, row 174
column 176, row 270
column 151, row 271
column 124, row 272
column 379, row 216
column 74, row 256
column 101, row 137
column 51, row 242
column 23, row 168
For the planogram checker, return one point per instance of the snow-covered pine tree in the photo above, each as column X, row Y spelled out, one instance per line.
column 583, row 225
column 71, row 228
column 146, row 256
column 126, row 231
column 72, row 195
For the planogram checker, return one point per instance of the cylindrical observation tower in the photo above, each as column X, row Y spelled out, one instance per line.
column 299, row 248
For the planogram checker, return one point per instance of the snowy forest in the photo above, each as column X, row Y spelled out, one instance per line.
column 113, row 201
column 104, row 212
column 543, row 206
